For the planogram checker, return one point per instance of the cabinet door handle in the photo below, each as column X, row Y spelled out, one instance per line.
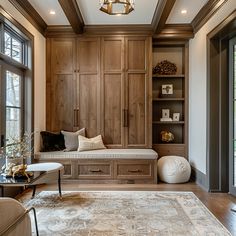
column 126, row 118
column 75, row 117
column 97, row 170
column 135, row 171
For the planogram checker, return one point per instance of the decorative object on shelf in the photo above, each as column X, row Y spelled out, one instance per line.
column 167, row 89
column 15, row 154
column 165, row 68
column 176, row 116
column 165, row 113
column 166, row 136
column 117, row 7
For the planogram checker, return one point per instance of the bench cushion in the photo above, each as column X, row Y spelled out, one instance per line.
column 141, row 154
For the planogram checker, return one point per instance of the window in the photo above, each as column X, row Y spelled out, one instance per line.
column 13, row 105
column 16, row 84
column 13, row 47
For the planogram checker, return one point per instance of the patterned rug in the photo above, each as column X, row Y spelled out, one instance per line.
column 129, row 213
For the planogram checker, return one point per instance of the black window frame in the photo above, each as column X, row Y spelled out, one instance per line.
column 8, row 23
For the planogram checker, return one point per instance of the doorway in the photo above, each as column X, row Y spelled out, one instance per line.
column 221, row 120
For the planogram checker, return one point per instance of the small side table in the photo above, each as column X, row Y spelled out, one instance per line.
column 53, row 171
column 42, row 173
column 19, row 182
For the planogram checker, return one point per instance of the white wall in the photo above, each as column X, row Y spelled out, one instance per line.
column 197, row 87
column 39, row 70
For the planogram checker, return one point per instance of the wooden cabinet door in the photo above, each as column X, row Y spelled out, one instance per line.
column 87, row 108
column 137, row 84
column 112, row 91
column 60, row 75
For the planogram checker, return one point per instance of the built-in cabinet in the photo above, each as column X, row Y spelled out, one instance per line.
column 87, row 87
column 106, row 85
column 60, row 84
column 126, row 90
column 113, row 91
column 102, row 84
column 174, row 101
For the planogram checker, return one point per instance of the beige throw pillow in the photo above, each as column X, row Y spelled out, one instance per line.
column 86, row 144
column 71, row 139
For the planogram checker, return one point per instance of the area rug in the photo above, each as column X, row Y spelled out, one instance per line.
column 126, row 213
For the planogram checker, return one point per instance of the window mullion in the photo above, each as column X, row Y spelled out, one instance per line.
column 1, row 38
column 11, row 47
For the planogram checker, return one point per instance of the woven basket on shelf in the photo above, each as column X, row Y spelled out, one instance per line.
column 165, row 68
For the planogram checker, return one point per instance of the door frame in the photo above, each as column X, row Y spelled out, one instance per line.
column 217, row 179
column 232, row 171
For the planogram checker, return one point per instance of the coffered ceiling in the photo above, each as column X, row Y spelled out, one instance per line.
column 143, row 13
column 165, row 17
column 44, row 7
column 192, row 8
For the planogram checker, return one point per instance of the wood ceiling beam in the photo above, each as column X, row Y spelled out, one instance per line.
column 27, row 10
column 161, row 14
column 206, row 12
column 175, row 32
column 73, row 14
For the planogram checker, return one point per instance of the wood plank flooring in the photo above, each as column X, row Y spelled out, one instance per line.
column 219, row 204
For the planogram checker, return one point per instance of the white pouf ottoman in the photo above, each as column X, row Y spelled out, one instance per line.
column 173, row 169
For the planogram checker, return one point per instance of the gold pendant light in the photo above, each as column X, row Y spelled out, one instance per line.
column 117, row 7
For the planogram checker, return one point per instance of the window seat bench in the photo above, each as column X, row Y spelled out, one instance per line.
column 117, row 165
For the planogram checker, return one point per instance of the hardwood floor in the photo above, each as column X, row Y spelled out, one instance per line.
column 220, row 204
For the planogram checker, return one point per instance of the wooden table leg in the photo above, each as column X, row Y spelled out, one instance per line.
column 34, row 190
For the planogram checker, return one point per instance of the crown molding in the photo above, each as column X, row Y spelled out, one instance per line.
column 73, row 14
column 59, row 31
column 118, row 29
column 207, row 11
column 175, row 32
column 171, row 31
column 27, row 10
column 161, row 14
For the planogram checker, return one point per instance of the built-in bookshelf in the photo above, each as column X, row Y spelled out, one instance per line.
column 174, row 102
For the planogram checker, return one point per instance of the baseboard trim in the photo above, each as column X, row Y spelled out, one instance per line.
column 200, row 178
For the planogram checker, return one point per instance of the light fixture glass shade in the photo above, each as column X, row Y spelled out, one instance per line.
column 117, row 7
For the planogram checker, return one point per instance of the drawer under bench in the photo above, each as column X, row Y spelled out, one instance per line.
column 128, row 169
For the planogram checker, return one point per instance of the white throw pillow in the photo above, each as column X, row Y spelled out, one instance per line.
column 86, row 144
column 71, row 139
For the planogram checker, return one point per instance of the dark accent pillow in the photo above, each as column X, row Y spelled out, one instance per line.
column 52, row 141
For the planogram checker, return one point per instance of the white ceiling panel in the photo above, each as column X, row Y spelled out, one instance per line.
column 142, row 14
column 44, row 7
column 191, row 6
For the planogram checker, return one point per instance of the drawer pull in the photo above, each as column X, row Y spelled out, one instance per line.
column 135, row 171
column 98, row 170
